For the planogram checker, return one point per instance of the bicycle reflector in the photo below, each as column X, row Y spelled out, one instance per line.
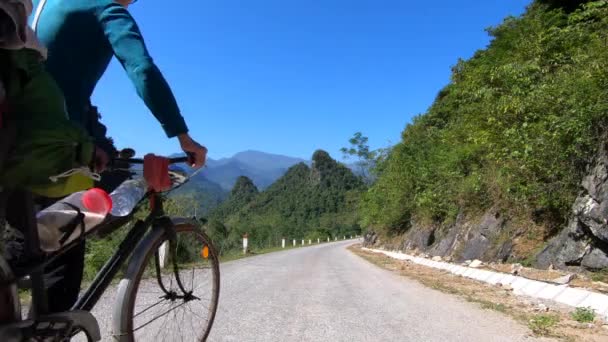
column 97, row 200
column 205, row 252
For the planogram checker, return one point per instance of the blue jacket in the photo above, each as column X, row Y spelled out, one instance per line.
column 82, row 36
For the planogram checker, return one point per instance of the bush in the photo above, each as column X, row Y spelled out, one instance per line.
column 583, row 315
column 541, row 324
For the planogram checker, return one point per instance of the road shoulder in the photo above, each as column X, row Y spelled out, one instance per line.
column 541, row 318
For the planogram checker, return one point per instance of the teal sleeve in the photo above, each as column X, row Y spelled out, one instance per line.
column 130, row 50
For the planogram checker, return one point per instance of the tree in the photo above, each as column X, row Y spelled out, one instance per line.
column 359, row 148
column 567, row 5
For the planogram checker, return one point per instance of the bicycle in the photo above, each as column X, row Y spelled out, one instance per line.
column 144, row 243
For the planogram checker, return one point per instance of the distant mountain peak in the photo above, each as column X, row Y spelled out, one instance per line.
column 244, row 185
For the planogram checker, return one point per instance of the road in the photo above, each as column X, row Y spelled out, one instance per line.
column 326, row 293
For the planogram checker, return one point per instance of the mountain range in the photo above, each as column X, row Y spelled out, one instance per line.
column 312, row 202
column 262, row 168
column 211, row 186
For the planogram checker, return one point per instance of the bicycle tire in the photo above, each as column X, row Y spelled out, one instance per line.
column 129, row 286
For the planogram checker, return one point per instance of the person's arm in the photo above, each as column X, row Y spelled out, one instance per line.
column 129, row 48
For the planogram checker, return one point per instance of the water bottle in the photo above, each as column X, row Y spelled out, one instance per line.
column 127, row 195
column 94, row 204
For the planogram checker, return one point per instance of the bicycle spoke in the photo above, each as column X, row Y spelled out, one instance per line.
column 191, row 326
column 165, row 331
column 183, row 317
column 159, row 331
column 159, row 316
column 181, row 334
column 197, row 315
column 150, row 307
column 192, row 287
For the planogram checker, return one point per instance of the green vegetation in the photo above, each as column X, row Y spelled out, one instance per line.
column 493, row 306
column 542, row 324
column 514, row 129
column 601, row 275
column 366, row 158
column 306, row 203
column 583, row 315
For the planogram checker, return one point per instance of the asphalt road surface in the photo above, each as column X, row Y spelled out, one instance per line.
column 326, row 293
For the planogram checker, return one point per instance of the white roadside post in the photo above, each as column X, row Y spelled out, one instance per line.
column 344, row 237
column 328, row 239
column 294, row 242
column 245, row 243
column 351, row 237
column 335, row 238
column 318, row 240
column 162, row 253
column 283, row 243
column 302, row 242
column 309, row 241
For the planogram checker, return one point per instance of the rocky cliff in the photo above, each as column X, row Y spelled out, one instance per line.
column 493, row 236
column 584, row 241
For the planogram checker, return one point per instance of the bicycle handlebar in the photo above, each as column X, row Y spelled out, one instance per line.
column 141, row 161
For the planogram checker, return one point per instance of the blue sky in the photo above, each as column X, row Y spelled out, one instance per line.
column 290, row 77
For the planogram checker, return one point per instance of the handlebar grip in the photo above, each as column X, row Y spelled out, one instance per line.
column 189, row 158
column 178, row 160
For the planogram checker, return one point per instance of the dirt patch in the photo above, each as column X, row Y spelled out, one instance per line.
column 543, row 318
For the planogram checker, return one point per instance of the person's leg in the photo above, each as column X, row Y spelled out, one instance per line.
column 6, row 299
column 63, row 294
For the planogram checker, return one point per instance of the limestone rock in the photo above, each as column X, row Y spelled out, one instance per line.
column 476, row 263
column 516, row 269
column 565, row 279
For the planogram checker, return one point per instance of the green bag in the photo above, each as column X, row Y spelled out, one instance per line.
column 46, row 142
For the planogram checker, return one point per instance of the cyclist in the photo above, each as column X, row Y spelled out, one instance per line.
column 36, row 138
column 82, row 36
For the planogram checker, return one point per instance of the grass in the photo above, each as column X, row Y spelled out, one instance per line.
column 493, row 306
column 601, row 275
column 583, row 315
column 542, row 324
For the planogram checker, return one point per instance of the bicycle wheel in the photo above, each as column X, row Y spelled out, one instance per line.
column 177, row 303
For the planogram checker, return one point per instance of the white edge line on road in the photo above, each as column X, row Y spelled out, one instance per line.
column 563, row 294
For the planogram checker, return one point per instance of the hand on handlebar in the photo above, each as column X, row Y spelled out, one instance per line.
column 191, row 147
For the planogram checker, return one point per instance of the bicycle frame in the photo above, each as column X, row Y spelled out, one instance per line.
column 104, row 277
column 156, row 223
